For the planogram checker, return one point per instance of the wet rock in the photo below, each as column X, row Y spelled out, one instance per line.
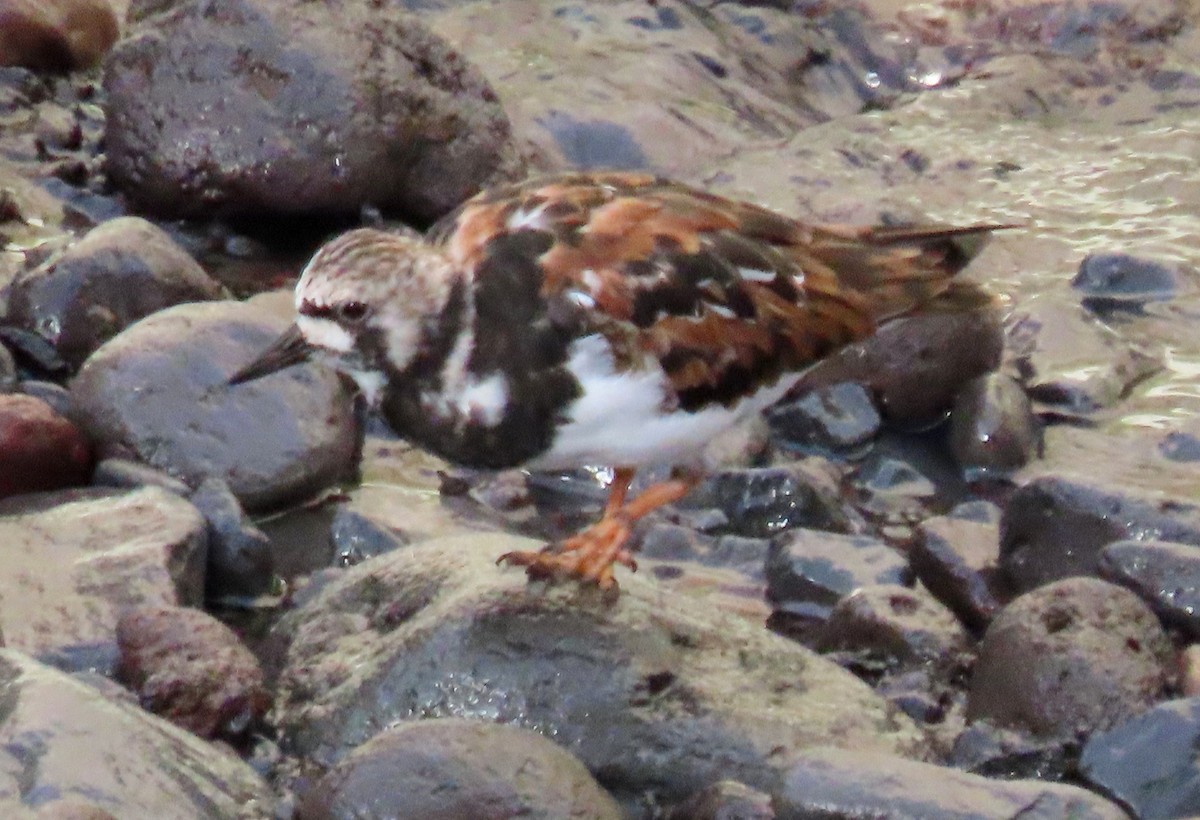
column 916, row 365
column 956, row 556
column 444, row 632
column 126, row 474
column 1182, row 445
column 1075, row 655
column 896, row 624
column 39, row 449
column 8, row 371
column 357, row 537
column 1112, row 282
column 64, row 740
column 188, row 667
column 1071, row 364
column 157, row 393
column 725, row 800
column 759, row 502
column 53, row 394
column 894, row 489
column 840, row 419
column 671, row 542
column 1149, row 761
column 240, row 563
column 32, row 351
column 847, row 784
column 992, row 427
column 458, row 769
column 1189, row 671
column 57, row 128
column 76, row 558
column 813, row 570
column 122, row 270
column 1055, row 527
column 55, row 35
column 993, row 751
column 1163, row 574
column 325, row 110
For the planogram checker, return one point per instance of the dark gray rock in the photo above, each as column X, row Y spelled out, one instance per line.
column 1071, row 364
column 1111, row 282
column 188, row 667
column 955, row 556
column 127, row 474
column 1056, row 525
column 1008, row 754
column 992, row 427
column 1149, row 762
column 813, row 567
column 357, row 537
column 672, row 542
column 759, row 502
column 1182, row 445
column 437, row 630
column 901, row 626
column 71, row 742
column 8, row 371
column 157, row 393
column 119, row 272
column 448, row 769
column 917, row 364
column 1163, row 574
column 240, row 562
column 835, row 784
column 289, row 107
column 53, row 394
column 838, row 419
column 1073, row 656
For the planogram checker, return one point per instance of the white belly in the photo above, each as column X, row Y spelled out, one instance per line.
column 621, row 419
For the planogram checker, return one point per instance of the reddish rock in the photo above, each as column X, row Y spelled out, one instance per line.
column 39, row 449
column 55, row 35
column 191, row 669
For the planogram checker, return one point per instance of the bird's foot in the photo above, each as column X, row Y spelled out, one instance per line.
column 588, row 557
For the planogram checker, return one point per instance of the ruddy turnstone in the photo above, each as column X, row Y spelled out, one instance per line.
column 613, row 319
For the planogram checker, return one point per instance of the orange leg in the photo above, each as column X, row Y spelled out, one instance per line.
column 590, row 555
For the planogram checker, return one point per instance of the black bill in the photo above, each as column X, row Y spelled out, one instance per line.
column 289, row 349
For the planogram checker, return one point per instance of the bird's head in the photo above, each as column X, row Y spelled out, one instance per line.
column 363, row 303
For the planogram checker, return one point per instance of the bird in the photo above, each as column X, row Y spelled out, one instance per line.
column 611, row 319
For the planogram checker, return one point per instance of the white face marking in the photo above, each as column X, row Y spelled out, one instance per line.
column 485, row 400
column 756, row 275
column 370, row 384
column 533, row 219
column 325, row 334
column 623, row 418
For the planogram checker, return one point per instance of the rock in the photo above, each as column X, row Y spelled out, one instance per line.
column 286, row 107
column 357, row 537
column 443, row 632
column 1189, row 671
column 240, row 562
column 53, row 394
column 1149, row 761
column 671, row 542
column 39, row 449
column 1182, row 445
column 65, row 742
column 1007, row 754
column 1055, row 526
column 814, row 569
column 956, row 556
column 55, row 35
column 188, row 667
column 841, row 783
column 894, row 489
column 759, row 502
column 1119, row 282
column 127, row 474
column 1076, row 655
column 449, row 769
column 119, row 272
column 992, row 427
column 725, row 800
column 1071, row 364
column 72, row 808
column 8, row 371
column 157, row 393
column 76, row 558
column 916, row 365
column 837, row 419
column 1163, row 574
column 901, row 626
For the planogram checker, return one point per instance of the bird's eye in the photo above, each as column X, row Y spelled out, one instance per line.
column 352, row 311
